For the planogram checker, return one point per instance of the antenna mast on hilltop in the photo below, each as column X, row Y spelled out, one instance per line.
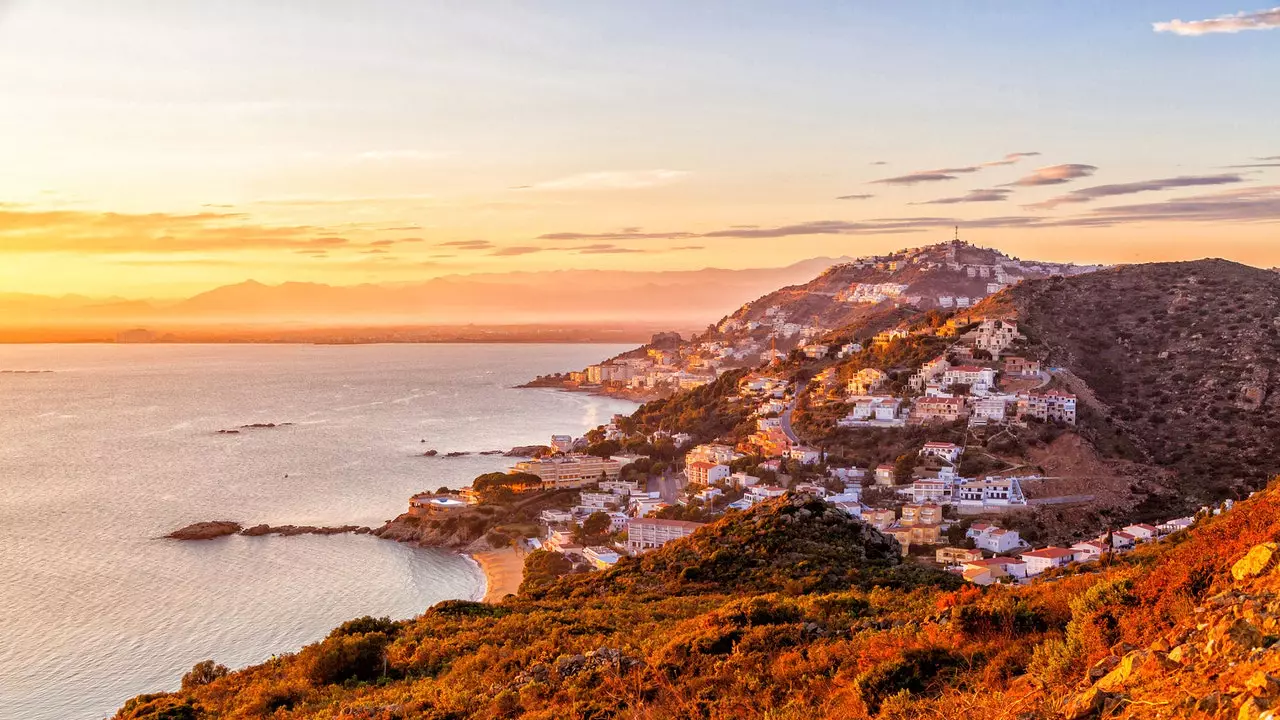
column 957, row 236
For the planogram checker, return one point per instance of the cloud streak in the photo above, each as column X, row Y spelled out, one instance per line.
column 1097, row 192
column 950, row 173
column 1054, row 175
column 855, row 197
column 973, row 196
column 1257, row 20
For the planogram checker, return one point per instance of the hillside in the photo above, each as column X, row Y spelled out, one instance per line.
column 1181, row 628
column 1177, row 364
column 850, row 301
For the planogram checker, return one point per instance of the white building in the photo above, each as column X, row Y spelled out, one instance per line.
column 648, row 533
column 701, row 472
column 998, row 540
column 713, row 453
column 1051, row 405
column 979, row 379
column 600, row 557
column 804, row 455
column 1044, row 559
column 993, row 493
column 948, row 452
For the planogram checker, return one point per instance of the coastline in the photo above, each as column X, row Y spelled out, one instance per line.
column 503, row 572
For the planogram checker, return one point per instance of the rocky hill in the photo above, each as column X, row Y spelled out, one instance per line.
column 850, row 301
column 1182, row 628
column 1177, row 364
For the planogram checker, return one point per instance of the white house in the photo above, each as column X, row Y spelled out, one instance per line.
column 1047, row 558
column 701, row 472
column 764, row 492
column 866, row 381
column 935, row 491
column 873, row 410
column 1142, row 532
column 804, row 455
column 993, row 493
column 1089, row 549
column 742, row 480
column 942, row 450
column 1051, row 405
column 979, row 379
column 998, row 540
column 992, row 408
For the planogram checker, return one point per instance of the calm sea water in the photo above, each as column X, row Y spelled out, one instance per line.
column 118, row 446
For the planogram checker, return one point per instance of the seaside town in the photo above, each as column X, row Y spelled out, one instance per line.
column 980, row 381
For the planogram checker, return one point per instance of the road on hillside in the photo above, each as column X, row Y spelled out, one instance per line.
column 786, row 421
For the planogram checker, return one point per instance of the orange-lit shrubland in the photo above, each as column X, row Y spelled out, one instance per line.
column 787, row 611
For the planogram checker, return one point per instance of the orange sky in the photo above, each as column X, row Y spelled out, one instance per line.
column 160, row 150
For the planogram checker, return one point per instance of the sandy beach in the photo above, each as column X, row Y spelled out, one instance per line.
column 503, row 571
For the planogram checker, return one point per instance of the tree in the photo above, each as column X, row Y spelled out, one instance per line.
column 593, row 528
column 903, row 467
column 604, row 448
column 203, row 673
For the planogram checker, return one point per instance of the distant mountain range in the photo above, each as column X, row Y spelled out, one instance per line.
column 688, row 298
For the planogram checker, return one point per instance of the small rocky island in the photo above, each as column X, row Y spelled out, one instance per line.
column 210, row 530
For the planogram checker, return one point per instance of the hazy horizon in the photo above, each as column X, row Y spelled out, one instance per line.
column 163, row 150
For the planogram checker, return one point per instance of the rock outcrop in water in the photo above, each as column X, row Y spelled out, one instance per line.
column 222, row 528
column 206, row 530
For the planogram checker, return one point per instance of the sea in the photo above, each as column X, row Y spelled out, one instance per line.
column 119, row 445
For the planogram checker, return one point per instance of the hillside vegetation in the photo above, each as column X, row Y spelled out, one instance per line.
column 788, row 631
column 1180, row 361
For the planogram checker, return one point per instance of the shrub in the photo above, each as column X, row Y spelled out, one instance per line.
column 203, row 673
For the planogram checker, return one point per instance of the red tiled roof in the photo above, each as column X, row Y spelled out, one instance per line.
column 1050, row 553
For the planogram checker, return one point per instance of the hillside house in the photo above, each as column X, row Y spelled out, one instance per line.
column 562, row 443
column 885, row 475
column 805, row 455
column 995, row 335
column 931, row 491
column 712, row 453
column 990, row 409
column 867, row 381
column 992, row 493
column 1089, row 550
column 1142, row 532
column 874, row 410
column 947, row 452
column 943, row 409
column 701, row 472
column 1048, row 558
column 979, row 379
column 880, row 519
column 956, row 556
column 992, row 570
column 1053, row 405
column 929, row 372
column 998, row 540
column 1020, row 366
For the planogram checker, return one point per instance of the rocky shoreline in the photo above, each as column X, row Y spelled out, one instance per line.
column 214, row 529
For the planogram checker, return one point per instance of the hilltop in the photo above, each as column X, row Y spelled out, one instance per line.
column 1182, row 628
column 1177, row 364
column 849, row 301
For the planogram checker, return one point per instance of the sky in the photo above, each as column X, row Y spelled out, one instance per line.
column 160, row 149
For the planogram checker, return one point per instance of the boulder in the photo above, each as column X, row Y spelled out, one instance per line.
column 1258, row 561
column 1124, row 671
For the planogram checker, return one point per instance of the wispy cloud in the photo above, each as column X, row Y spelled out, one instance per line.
column 609, row 180
column 917, row 177
column 950, row 173
column 1090, row 194
column 1257, row 20
column 604, row 249
column 973, row 196
column 515, row 250
column 1055, row 175
column 467, row 244
column 855, row 197
column 623, row 234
